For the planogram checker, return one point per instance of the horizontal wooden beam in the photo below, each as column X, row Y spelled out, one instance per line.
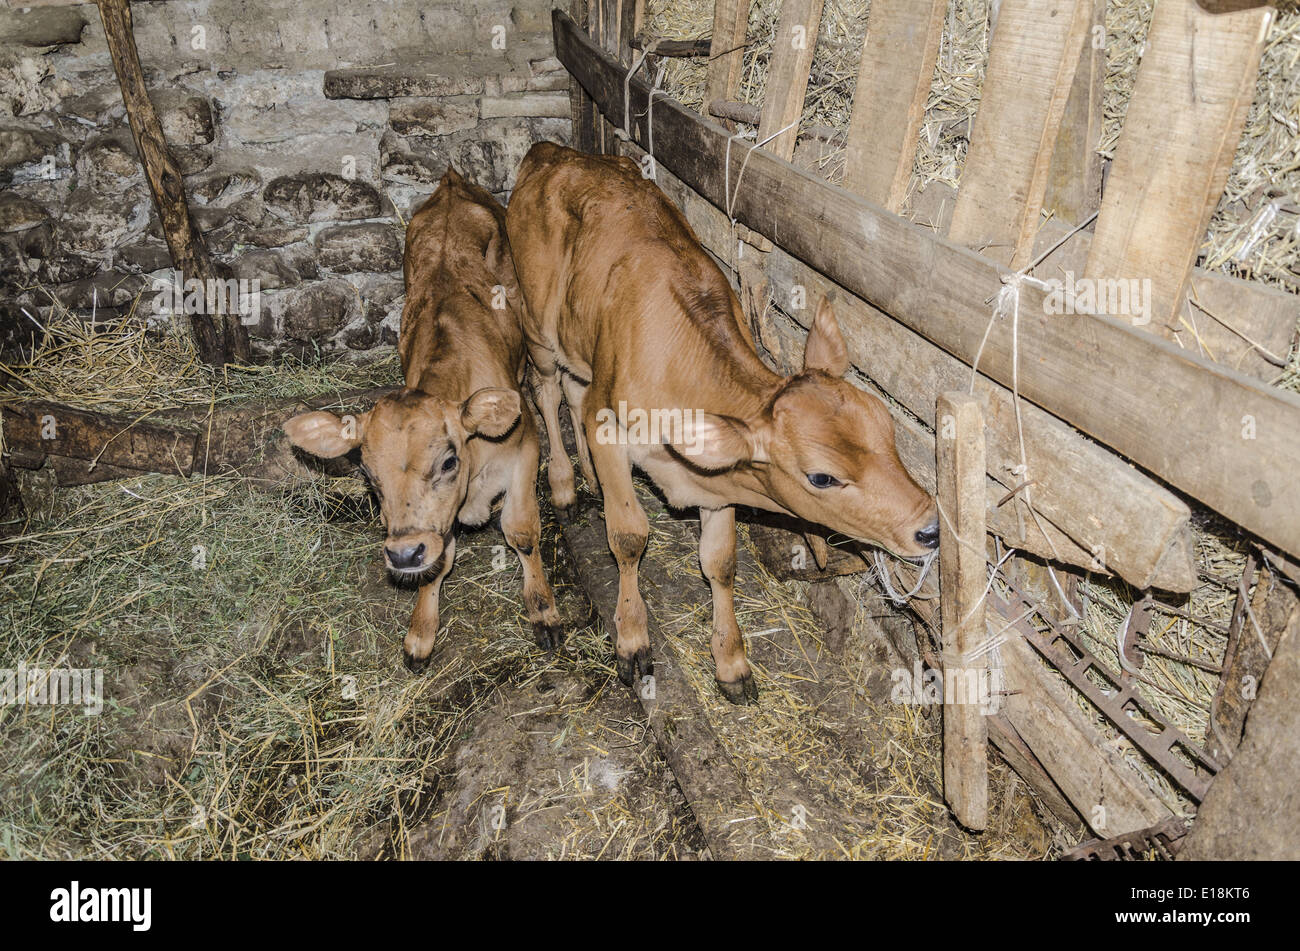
column 1214, row 433
column 748, row 113
column 675, row 49
column 40, row 427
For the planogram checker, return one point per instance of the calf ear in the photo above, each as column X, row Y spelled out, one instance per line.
column 825, row 349
column 326, row 435
column 491, row 412
column 715, row 443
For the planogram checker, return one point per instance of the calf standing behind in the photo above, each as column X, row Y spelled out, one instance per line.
column 630, row 316
column 444, row 447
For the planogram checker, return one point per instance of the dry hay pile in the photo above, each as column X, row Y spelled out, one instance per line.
column 255, row 702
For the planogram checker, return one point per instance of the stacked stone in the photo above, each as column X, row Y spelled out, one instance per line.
column 301, row 167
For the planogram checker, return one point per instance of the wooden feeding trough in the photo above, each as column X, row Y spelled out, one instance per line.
column 1089, row 430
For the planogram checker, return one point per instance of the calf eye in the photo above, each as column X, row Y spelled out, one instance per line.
column 820, row 480
column 449, row 463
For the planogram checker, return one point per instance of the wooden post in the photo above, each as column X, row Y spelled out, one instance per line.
column 216, row 345
column 787, row 81
column 960, row 460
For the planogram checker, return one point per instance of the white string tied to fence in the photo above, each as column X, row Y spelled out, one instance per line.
column 730, row 197
column 1008, row 304
column 625, row 133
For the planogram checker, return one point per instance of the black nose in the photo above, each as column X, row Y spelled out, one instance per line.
column 411, row 556
column 929, row 536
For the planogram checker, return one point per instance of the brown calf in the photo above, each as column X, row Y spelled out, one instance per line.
column 442, row 449
column 628, row 313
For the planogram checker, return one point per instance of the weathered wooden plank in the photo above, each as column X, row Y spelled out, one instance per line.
column 787, row 81
column 894, row 79
column 1032, row 60
column 44, row 427
column 1109, row 379
column 585, row 115
column 727, row 50
column 676, row 49
column 1020, row 758
column 1074, row 177
column 962, row 578
column 1243, row 324
column 787, row 77
column 1193, row 90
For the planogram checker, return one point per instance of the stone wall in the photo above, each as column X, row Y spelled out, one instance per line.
column 308, row 130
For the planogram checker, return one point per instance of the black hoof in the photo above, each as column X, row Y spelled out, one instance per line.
column 741, row 691
column 415, row 664
column 628, row 666
column 548, row 636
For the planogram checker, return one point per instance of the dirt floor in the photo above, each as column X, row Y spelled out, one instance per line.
column 256, row 705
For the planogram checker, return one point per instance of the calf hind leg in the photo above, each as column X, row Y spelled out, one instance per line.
column 546, row 386
column 575, row 394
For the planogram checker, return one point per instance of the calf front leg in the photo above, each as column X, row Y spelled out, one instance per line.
column 521, row 523
column 626, row 528
column 418, row 645
column 718, row 560
column 559, row 470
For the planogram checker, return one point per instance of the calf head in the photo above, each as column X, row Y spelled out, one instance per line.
column 413, row 453
column 824, row 450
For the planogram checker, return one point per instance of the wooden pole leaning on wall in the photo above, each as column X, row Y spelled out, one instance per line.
column 959, row 449
column 219, row 338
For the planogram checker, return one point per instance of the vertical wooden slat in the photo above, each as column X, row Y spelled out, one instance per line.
column 726, row 51
column 1193, row 91
column 1032, row 61
column 894, row 79
column 787, row 80
column 1074, row 179
column 585, row 116
column 959, row 450
column 787, row 75
column 629, row 15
